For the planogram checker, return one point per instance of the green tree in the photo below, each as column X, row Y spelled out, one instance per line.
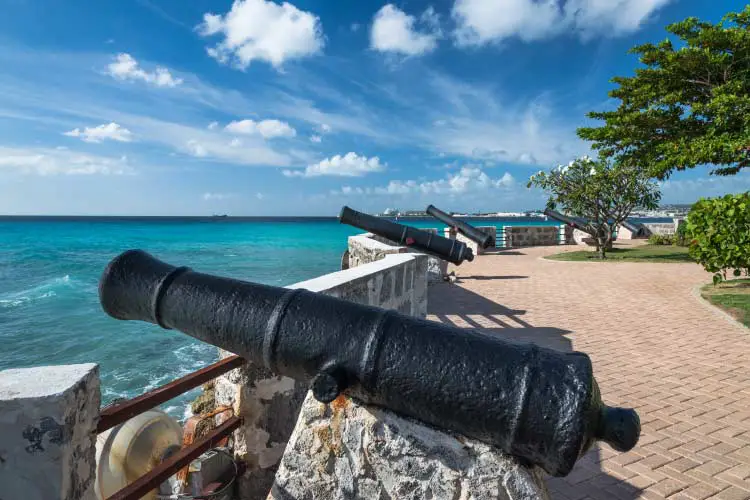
column 720, row 233
column 598, row 191
column 689, row 105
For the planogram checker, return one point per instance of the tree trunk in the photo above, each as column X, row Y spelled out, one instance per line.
column 607, row 241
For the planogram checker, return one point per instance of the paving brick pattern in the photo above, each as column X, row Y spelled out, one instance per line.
column 655, row 347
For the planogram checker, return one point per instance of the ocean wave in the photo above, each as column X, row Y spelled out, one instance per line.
column 45, row 290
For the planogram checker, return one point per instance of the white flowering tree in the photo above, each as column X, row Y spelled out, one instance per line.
column 598, row 191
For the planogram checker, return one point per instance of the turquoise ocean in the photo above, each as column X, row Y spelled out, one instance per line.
column 49, row 271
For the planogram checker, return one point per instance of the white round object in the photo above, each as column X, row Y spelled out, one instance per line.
column 130, row 450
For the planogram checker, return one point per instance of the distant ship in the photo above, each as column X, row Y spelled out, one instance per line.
column 215, row 216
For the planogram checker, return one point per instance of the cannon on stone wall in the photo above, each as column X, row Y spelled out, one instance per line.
column 480, row 237
column 430, row 243
column 575, row 223
column 538, row 404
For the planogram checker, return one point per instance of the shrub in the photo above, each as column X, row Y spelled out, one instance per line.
column 660, row 239
column 719, row 233
column 681, row 237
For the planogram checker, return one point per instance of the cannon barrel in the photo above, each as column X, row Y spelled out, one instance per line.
column 480, row 237
column 636, row 229
column 451, row 250
column 567, row 220
column 531, row 402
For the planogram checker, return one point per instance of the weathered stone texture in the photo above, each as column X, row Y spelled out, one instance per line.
column 366, row 248
column 663, row 228
column 527, row 236
column 48, row 418
column 346, row 450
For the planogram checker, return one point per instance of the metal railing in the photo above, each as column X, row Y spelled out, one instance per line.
column 121, row 412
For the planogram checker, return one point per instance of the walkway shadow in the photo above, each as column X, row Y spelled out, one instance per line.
column 461, row 278
column 454, row 305
column 502, row 251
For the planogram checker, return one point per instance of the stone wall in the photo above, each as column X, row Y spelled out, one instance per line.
column 526, row 236
column 349, row 451
column 48, row 418
column 663, row 228
column 270, row 404
column 367, row 247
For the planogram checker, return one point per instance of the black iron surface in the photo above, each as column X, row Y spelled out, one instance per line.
column 480, row 237
column 636, row 229
column 567, row 220
column 535, row 403
column 451, row 250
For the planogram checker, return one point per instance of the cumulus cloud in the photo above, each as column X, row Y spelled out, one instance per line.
column 484, row 21
column 111, row 131
column 315, row 138
column 469, row 180
column 348, row 165
column 395, row 31
column 213, row 125
column 125, row 67
column 45, row 161
column 262, row 30
column 268, row 129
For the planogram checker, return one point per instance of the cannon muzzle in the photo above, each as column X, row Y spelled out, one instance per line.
column 451, row 250
column 480, row 237
column 535, row 403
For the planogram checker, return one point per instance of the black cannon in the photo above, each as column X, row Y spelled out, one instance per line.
column 451, row 250
column 578, row 224
column 636, row 229
column 480, row 237
column 535, row 403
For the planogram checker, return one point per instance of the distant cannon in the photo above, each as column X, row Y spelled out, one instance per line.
column 567, row 220
column 535, row 403
column 451, row 250
column 481, row 238
column 636, row 229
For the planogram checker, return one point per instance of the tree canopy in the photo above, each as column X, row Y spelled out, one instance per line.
column 689, row 105
column 598, row 191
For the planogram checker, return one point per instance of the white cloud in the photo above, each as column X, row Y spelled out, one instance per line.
column 259, row 196
column 486, row 21
column 325, row 128
column 470, row 180
column 348, row 165
column 196, row 149
column 217, row 196
column 315, row 138
column 394, row 31
column 111, row 131
column 126, row 67
column 263, row 30
column 213, row 125
column 43, row 161
column 269, row 129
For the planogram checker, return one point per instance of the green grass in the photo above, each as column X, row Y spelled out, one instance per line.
column 732, row 296
column 644, row 253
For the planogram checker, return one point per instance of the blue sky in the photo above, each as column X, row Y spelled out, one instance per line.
column 175, row 107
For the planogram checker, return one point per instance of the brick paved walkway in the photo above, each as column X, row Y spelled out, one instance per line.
column 654, row 346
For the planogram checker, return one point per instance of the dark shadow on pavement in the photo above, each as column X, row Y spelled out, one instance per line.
column 491, row 277
column 502, row 251
column 587, row 479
